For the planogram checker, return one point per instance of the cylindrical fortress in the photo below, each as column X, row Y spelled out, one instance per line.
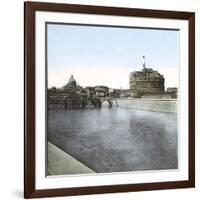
column 146, row 81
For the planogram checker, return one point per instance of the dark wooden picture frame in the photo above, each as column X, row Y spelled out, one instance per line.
column 29, row 107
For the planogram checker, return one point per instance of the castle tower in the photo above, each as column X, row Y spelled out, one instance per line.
column 146, row 81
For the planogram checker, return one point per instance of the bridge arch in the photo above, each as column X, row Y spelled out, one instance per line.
column 108, row 101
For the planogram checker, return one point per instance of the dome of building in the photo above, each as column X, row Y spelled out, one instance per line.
column 71, row 85
column 72, row 81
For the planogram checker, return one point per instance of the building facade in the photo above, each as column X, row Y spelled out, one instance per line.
column 146, row 81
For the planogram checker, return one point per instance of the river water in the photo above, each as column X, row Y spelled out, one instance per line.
column 116, row 139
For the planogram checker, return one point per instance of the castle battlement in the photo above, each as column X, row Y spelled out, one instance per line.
column 146, row 81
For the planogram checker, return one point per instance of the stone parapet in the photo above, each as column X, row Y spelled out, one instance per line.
column 157, row 105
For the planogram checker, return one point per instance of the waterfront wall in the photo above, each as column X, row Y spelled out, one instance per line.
column 157, row 105
column 65, row 104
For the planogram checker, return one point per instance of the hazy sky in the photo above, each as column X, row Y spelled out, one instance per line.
column 106, row 56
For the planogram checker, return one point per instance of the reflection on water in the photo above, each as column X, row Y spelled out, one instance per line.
column 116, row 139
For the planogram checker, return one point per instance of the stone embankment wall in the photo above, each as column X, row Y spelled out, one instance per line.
column 157, row 105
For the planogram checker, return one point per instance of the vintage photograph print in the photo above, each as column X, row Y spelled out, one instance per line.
column 112, row 99
column 109, row 99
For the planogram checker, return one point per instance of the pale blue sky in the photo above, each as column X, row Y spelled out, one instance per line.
column 106, row 55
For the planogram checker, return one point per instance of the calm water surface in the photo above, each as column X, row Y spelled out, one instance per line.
column 116, row 139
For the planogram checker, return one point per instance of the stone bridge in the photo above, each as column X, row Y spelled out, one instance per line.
column 81, row 102
column 97, row 102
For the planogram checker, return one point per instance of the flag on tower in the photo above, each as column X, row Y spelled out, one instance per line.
column 144, row 65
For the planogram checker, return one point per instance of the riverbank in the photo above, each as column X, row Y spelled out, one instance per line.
column 156, row 105
column 59, row 163
column 149, row 104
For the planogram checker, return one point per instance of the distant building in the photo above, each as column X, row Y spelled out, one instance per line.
column 115, row 93
column 146, row 81
column 101, row 91
column 71, row 84
column 53, row 89
column 119, row 93
column 172, row 89
column 71, row 95
column 90, row 92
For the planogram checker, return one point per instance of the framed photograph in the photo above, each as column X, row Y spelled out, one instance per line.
column 109, row 100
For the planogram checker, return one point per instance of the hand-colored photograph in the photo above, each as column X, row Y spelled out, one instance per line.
column 111, row 99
